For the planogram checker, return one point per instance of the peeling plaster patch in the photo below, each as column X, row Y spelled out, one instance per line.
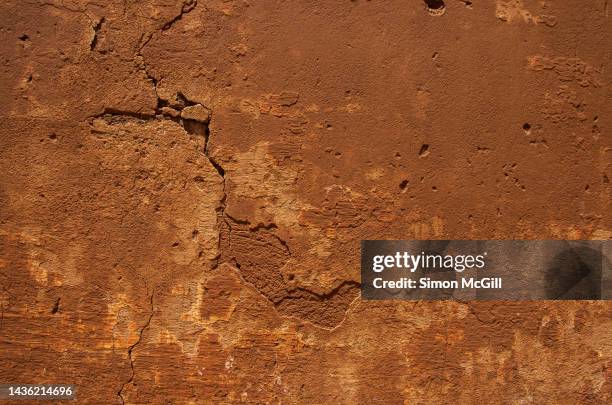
column 375, row 174
column 514, row 10
column 255, row 175
column 568, row 69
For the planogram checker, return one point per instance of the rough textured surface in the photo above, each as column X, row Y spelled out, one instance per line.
column 184, row 186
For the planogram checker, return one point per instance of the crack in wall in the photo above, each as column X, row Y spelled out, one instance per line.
column 96, row 29
column 260, row 226
column 258, row 252
column 300, row 291
column 260, row 255
column 131, row 349
column 188, row 6
column 195, row 119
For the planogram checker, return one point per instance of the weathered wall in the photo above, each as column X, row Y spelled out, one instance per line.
column 214, row 258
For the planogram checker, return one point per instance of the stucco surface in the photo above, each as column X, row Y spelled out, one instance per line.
column 184, row 186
